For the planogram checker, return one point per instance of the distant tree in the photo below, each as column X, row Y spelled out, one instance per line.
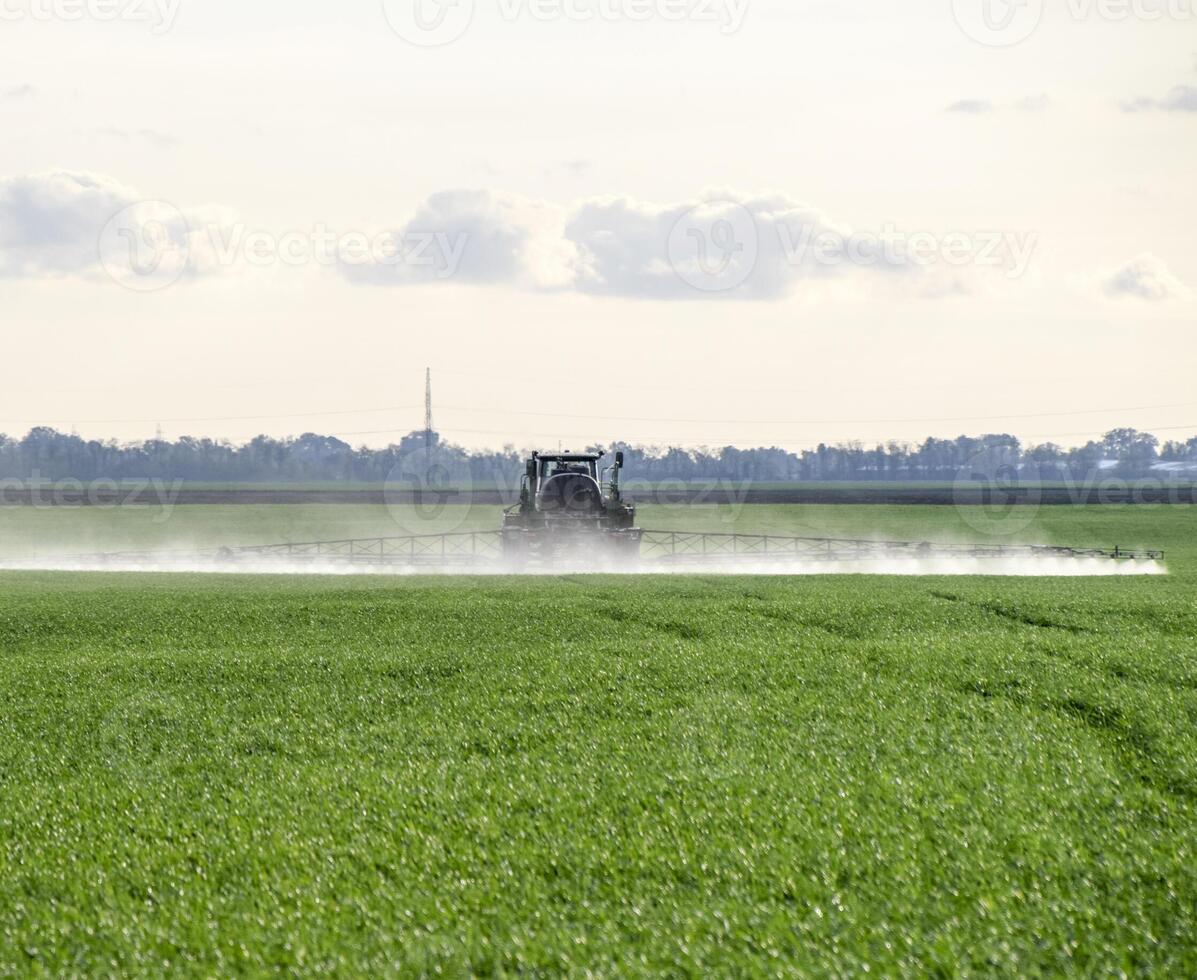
column 1135, row 451
column 1046, row 462
column 315, row 457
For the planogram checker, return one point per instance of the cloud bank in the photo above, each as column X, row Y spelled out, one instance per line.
column 721, row 245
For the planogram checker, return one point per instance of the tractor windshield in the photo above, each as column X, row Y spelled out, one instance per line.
column 555, row 467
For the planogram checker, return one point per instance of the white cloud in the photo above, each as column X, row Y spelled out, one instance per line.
column 50, row 223
column 971, row 107
column 1182, row 98
column 570, row 168
column 721, row 245
column 158, row 138
column 982, row 107
column 1034, row 103
column 74, row 223
column 504, row 238
column 637, row 249
column 758, row 247
column 1145, row 277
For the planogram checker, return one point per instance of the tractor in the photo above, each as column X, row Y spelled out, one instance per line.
column 571, row 508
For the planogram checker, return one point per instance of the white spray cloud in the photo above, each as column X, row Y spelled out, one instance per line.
column 904, row 567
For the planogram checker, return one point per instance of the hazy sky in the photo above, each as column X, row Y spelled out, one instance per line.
column 687, row 221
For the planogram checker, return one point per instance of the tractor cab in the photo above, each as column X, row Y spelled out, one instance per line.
column 564, row 486
column 563, row 495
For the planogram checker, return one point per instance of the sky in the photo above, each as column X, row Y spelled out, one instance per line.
column 689, row 222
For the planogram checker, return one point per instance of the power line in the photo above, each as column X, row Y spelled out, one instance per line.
column 590, row 437
column 1150, row 429
column 883, row 421
column 606, row 418
column 212, row 418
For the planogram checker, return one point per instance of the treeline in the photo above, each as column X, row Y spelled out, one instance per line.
column 51, row 455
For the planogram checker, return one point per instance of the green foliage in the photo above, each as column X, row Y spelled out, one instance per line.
column 619, row 776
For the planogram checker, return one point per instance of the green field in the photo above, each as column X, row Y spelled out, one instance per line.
column 27, row 531
column 597, row 775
